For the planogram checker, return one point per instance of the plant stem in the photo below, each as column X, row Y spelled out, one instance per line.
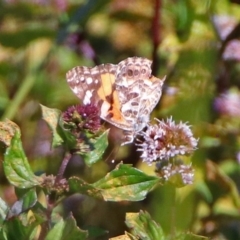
column 62, row 167
column 156, row 35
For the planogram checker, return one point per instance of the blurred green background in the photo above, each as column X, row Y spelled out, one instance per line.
column 194, row 43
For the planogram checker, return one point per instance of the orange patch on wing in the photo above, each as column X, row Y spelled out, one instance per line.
column 106, row 86
column 116, row 109
column 106, row 89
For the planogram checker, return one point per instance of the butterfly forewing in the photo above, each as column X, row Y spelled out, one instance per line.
column 91, row 85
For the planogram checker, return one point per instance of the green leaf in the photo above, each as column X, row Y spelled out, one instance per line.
column 184, row 14
column 126, row 184
column 98, row 147
column 143, row 226
column 95, row 232
column 221, row 184
column 7, row 131
column 68, row 138
column 3, row 234
column 77, row 185
column 16, row 166
column 51, row 116
column 25, row 203
column 122, row 184
column 20, row 228
column 66, row 230
column 3, row 210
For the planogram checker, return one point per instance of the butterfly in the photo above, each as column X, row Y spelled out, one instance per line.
column 126, row 93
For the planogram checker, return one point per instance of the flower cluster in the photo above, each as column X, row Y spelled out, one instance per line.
column 166, row 140
column 83, row 122
column 85, row 117
column 163, row 143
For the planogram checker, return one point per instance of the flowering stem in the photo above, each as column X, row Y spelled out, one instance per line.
column 62, row 167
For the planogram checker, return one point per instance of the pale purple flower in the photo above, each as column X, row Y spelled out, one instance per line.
column 224, row 25
column 184, row 172
column 166, row 140
column 228, row 103
column 232, row 50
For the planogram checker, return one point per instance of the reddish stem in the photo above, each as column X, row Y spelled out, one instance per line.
column 156, row 36
column 62, row 168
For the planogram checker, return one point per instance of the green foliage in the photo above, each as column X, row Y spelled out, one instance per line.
column 48, row 171
column 3, row 210
column 122, row 184
column 16, row 165
column 66, row 229
column 126, row 183
column 28, row 200
column 143, row 226
column 51, row 116
column 98, row 146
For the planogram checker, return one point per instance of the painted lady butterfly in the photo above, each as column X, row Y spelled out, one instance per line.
column 126, row 93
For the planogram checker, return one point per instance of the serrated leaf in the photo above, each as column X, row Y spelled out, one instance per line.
column 66, row 229
column 16, row 166
column 51, row 116
column 3, row 210
column 126, row 183
column 26, row 202
column 7, row 131
column 98, row 147
column 77, row 185
column 143, row 226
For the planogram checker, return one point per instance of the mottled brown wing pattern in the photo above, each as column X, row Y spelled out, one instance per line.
column 97, row 86
column 126, row 93
column 92, row 85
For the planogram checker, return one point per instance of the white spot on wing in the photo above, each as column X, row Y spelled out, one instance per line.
column 89, row 80
column 104, row 109
column 75, row 90
column 87, row 98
